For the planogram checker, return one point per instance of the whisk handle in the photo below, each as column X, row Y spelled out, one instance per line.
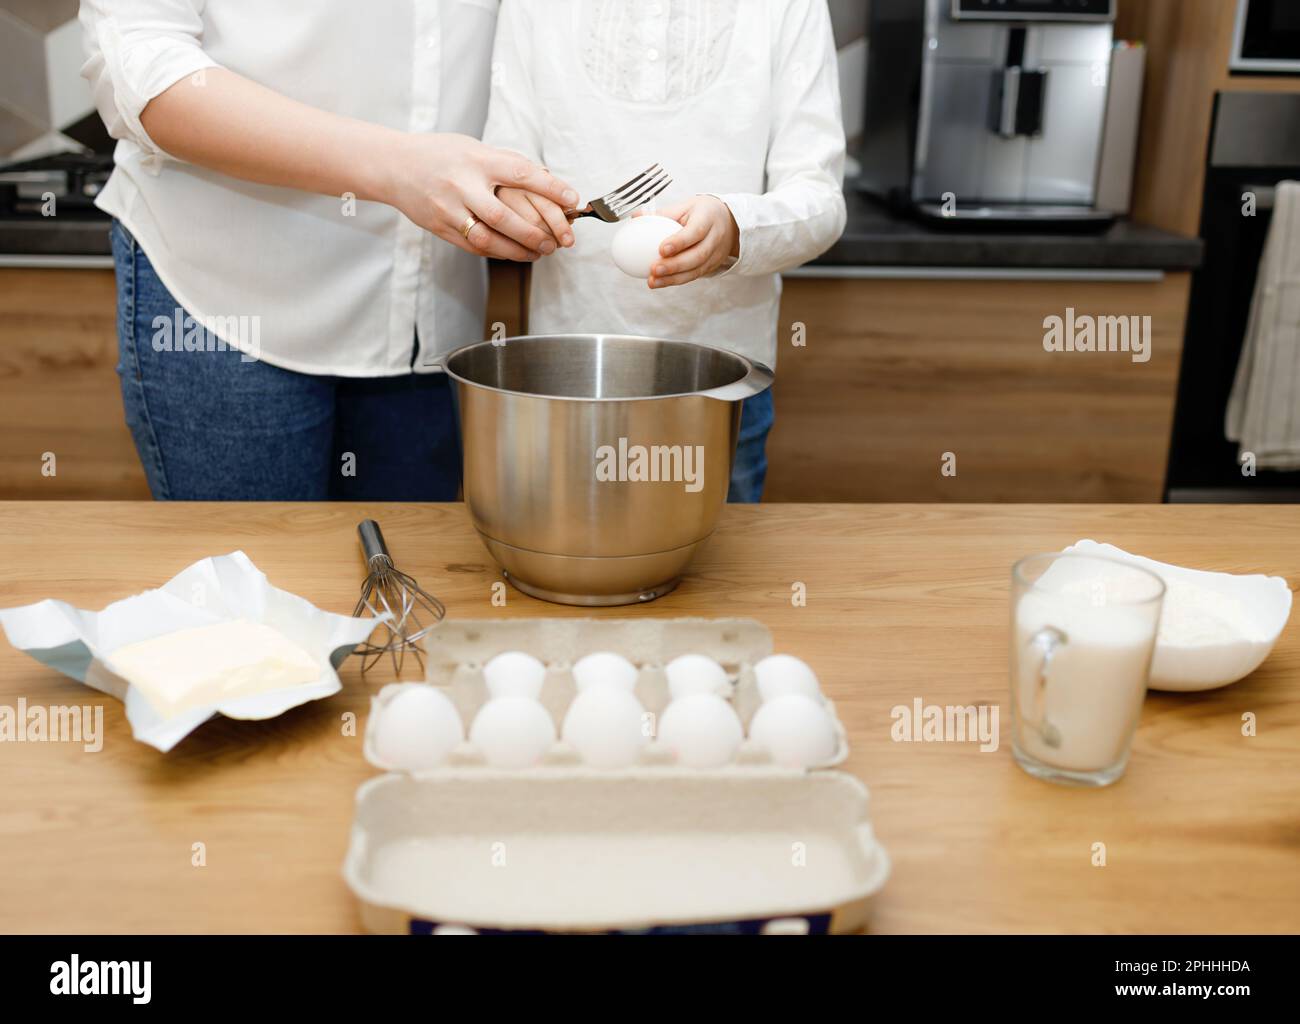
column 372, row 541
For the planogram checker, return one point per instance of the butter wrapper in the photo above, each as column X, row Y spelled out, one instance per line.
column 77, row 642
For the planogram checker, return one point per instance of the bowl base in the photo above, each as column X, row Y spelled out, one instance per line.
column 592, row 582
column 592, row 600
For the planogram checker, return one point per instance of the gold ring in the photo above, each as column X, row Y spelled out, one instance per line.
column 468, row 226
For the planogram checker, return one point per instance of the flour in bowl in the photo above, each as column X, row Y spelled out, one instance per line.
column 1192, row 615
column 1196, row 616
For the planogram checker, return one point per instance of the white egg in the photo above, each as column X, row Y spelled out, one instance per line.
column 514, row 674
column 512, row 732
column 695, row 673
column 702, row 730
column 797, row 731
column 604, row 668
column 779, row 675
column 635, row 247
column 417, row 729
column 606, row 725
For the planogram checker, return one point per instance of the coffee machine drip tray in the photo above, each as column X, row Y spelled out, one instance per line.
column 1017, row 215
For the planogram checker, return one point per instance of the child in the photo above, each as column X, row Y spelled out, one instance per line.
column 739, row 101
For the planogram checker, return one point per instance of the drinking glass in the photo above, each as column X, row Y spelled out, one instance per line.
column 1083, row 632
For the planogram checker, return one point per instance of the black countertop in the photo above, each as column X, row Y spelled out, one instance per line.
column 878, row 237
column 874, row 237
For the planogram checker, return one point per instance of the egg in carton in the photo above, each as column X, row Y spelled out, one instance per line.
column 526, row 726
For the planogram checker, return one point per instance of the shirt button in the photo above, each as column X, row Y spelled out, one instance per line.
column 653, row 54
column 656, row 10
column 431, row 43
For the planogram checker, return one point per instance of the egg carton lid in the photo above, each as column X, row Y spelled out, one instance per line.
column 629, row 850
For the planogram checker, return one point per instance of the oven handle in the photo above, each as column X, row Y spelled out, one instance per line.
column 1265, row 195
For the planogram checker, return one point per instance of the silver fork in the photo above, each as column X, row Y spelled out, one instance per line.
column 623, row 200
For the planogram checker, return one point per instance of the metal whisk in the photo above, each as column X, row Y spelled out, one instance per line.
column 389, row 591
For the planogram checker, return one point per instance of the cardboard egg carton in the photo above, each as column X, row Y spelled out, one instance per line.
column 564, row 847
column 458, row 649
column 467, row 851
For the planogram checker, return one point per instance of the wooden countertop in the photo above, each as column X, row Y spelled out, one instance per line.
column 1203, row 835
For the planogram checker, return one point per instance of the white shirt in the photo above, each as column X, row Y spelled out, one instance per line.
column 736, row 98
column 339, row 288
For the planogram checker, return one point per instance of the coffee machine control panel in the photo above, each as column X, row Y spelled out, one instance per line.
column 1034, row 10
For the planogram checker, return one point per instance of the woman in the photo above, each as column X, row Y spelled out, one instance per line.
column 301, row 215
column 739, row 100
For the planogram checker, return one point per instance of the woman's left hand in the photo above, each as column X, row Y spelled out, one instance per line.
column 708, row 240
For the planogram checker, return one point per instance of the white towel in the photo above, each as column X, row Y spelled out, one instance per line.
column 1264, row 409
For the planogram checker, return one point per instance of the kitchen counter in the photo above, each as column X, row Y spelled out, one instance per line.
column 903, row 602
column 874, row 238
column 878, row 237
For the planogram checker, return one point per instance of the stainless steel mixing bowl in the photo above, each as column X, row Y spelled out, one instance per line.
column 596, row 465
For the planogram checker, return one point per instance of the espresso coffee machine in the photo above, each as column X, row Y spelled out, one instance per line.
column 988, row 110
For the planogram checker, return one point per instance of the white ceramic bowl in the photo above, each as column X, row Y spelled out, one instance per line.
column 1257, row 608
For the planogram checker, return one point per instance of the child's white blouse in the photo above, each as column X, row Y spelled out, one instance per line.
column 736, row 98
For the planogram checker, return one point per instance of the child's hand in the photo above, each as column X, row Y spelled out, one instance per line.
column 540, row 212
column 709, row 237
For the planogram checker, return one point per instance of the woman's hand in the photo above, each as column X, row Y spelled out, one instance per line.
column 540, row 212
column 440, row 180
column 709, row 237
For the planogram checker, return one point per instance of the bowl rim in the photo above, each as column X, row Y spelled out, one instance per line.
column 748, row 366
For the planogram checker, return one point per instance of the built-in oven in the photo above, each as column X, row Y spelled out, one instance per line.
column 1255, row 144
column 1267, row 37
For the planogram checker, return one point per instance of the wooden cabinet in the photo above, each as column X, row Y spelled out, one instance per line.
column 59, row 392
column 59, row 387
column 894, row 375
column 507, row 299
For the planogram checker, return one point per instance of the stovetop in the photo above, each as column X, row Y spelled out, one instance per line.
column 71, row 180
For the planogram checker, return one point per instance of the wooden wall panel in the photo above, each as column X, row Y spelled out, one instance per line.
column 895, row 373
column 1189, row 44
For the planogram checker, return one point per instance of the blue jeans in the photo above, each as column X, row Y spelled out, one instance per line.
column 212, row 425
column 750, row 468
